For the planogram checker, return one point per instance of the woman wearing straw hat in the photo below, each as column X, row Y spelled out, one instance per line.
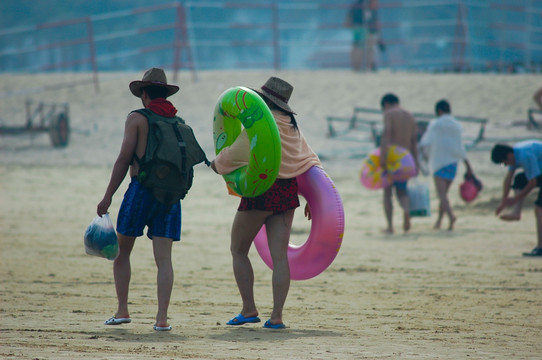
column 274, row 209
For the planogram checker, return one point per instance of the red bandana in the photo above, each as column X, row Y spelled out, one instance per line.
column 162, row 107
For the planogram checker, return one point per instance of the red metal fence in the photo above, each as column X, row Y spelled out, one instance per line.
column 80, row 36
column 279, row 34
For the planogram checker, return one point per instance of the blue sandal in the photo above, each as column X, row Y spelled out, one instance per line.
column 269, row 325
column 240, row 320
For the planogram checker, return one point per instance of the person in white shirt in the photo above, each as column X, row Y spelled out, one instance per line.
column 443, row 142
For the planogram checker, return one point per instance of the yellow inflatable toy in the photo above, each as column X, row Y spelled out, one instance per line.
column 400, row 167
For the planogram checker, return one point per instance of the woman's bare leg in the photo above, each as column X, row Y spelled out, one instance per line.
column 278, row 235
column 246, row 225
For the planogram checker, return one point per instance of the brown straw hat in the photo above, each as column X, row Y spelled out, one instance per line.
column 153, row 77
column 278, row 91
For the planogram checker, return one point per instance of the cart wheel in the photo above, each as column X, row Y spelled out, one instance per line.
column 59, row 130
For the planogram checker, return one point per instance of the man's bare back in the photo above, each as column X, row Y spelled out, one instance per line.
column 399, row 128
column 141, row 128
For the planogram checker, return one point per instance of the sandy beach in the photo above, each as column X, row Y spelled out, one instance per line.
column 466, row 294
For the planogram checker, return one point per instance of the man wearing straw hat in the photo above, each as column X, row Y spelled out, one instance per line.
column 135, row 212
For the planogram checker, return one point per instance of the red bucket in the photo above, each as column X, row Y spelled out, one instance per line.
column 468, row 190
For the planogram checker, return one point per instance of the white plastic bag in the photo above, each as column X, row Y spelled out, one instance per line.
column 418, row 194
column 100, row 238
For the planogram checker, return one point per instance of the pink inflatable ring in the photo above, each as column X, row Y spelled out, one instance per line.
column 327, row 228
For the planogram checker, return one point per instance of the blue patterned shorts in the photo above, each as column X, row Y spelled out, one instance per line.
column 447, row 172
column 140, row 209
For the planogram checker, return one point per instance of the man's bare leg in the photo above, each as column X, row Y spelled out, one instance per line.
column 443, row 186
column 388, row 209
column 439, row 218
column 357, row 59
column 404, row 201
column 164, row 279
column 537, row 251
column 122, row 273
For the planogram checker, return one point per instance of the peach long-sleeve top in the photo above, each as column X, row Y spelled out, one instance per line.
column 297, row 155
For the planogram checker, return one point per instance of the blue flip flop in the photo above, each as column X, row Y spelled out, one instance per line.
column 240, row 320
column 269, row 325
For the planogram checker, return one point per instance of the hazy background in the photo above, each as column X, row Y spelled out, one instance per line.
column 438, row 35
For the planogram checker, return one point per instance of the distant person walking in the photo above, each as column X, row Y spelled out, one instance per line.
column 443, row 141
column 374, row 42
column 528, row 156
column 356, row 21
column 399, row 129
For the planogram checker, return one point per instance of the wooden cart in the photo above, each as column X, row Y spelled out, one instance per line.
column 41, row 117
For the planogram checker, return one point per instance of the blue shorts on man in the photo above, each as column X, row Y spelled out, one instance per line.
column 447, row 172
column 139, row 209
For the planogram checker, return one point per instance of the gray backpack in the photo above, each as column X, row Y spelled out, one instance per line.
column 172, row 150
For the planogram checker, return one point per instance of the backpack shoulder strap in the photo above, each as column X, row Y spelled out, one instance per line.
column 205, row 160
column 182, row 145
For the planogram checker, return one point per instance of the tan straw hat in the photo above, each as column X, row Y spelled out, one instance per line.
column 153, row 77
column 277, row 91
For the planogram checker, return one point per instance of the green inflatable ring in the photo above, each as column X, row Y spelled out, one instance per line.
column 240, row 105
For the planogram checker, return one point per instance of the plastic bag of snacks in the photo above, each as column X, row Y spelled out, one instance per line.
column 101, row 238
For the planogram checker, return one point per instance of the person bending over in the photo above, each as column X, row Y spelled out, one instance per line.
column 526, row 155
